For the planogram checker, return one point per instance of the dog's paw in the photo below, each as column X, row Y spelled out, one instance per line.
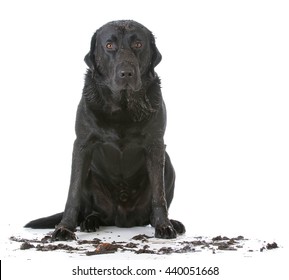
column 63, row 234
column 165, row 231
column 178, row 226
column 90, row 223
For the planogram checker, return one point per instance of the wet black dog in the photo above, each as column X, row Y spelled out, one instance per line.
column 121, row 174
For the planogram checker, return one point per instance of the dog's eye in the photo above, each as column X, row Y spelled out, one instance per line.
column 109, row 46
column 137, row 45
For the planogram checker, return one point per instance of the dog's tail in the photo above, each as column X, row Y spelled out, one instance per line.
column 46, row 222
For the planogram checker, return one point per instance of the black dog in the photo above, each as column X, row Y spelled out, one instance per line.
column 121, row 175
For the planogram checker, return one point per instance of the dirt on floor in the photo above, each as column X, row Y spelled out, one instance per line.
column 140, row 244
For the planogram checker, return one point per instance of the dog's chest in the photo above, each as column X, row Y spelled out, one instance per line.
column 121, row 153
column 118, row 160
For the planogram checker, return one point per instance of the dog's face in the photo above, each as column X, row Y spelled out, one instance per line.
column 123, row 54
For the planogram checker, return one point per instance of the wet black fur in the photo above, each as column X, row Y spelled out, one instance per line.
column 121, row 174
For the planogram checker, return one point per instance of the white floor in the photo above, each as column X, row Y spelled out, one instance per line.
column 247, row 261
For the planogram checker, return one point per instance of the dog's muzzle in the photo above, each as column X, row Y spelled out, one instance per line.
column 127, row 76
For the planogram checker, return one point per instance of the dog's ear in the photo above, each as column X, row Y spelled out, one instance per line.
column 90, row 57
column 156, row 55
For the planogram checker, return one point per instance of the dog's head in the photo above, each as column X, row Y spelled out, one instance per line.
column 123, row 54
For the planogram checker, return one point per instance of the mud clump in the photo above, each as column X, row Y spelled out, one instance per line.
column 104, row 248
column 272, row 246
column 142, row 237
column 26, row 245
column 269, row 246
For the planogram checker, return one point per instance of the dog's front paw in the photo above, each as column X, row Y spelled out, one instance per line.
column 178, row 226
column 63, row 234
column 90, row 223
column 165, row 231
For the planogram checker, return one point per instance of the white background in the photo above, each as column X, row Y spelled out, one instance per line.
column 225, row 80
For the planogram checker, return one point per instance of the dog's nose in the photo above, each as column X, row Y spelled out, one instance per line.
column 127, row 73
column 125, row 70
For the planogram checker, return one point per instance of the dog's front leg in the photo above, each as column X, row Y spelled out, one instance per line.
column 80, row 165
column 159, row 215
